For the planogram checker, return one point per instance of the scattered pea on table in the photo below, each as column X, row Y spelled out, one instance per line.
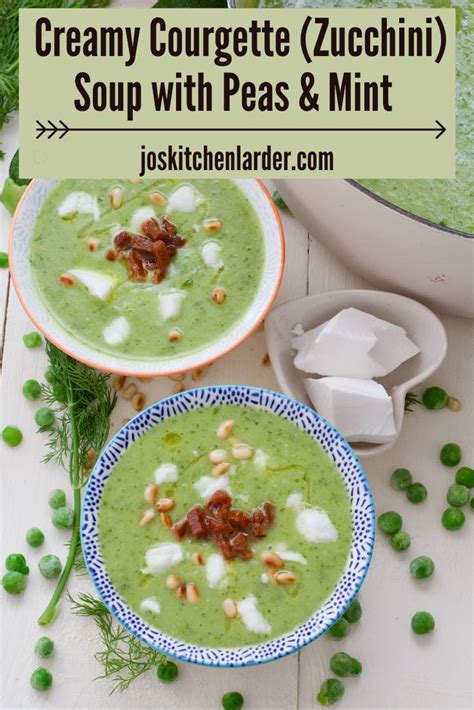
column 33, row 339
column 457, row 495
column 422, row 622
column 232, row 701
column 331, row 691
column 453, row 518
column 400, row 541
column 465, row 477
column 390, row 522
column 416, row 493
column 3, row 260
column 278, row 200
column 50, row 566
column 435, row 398
column 14, row 582
column 57, row 498
column 12, row 436
column 44, row 418
column 353, row 612
column 421, row 567
column 31, row 389
column 41, row 679
column 44, row 647
column 34, row 537
column 63, row 517
column 340, row 629
column 400, row 479
column 344, row 665
column 17, row 563
column 167, row 671
column 450, row 454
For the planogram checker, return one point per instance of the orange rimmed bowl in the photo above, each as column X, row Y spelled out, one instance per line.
column 24, row 281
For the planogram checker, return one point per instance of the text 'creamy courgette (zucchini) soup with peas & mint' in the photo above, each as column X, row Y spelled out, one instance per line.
column 227, row 525
column 146, row 277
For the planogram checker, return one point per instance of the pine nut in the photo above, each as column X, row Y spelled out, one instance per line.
column 175, row 335
column 219, row 295
column 156, row 198
column 129, row 391
column 230, row 608
column 93, row 244
column 138, row 401
column 241, row 452
column 197, row 558
column 212, row 225
column 217, row 456
column 198, row 374
column 66, row 280
column 285, row 577
column 118, row 382
column 179, row 387
column 164, row 505
column 166, row 520
column 225, row 429
column 454, row 404
column 177, row 377
column 271, row 559
column 147, row 517
column 181, row 591
column 192, row 594
column 116, row 197
column 220, row 469
column 173, row 582
column 150, row 493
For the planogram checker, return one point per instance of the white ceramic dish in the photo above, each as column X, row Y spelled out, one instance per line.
column 422, row 326
column 24, row 281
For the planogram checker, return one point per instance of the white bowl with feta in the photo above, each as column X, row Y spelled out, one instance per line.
column 354, row 355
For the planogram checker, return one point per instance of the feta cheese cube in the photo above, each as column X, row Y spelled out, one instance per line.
column 360, row 409
column 184, row 199
column 117, row 331
column 170, row 303
column 98, row 285
column 353, row 344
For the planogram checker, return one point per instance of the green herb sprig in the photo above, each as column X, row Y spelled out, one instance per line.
column 82, row 424
column 410, row 400
column 122, row 656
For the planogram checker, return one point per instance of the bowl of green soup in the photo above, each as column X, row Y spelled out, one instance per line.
column 227, row 526
column 414, row 236
column 147, row 277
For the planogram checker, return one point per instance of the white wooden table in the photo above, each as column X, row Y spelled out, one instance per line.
column 401, row 671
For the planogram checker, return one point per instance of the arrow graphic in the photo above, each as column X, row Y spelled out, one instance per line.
column 62, row 129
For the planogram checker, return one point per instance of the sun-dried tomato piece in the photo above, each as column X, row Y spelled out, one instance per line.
column 180, row 528
column 172, row 250
column 123, row 241
column 143, row 244
column 220, row 499
column 197, row 522
column 216, row 527
column 110, row 255
column 269, row 510
column 225, row 548
column 240, row 541
column 239, row 519
column 135, row 266
column 175, row 241
column 246, row 554
column 168, row 226
column 259, row 523
column 150, row 228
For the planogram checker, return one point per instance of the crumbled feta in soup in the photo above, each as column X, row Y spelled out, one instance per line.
column 184, row 199
column 166, row 473
column 117, row 332
column 151, row 604
column 170, row 303
column 215, row 570
column 79, row 203
column 98, row 285
column 251, row 616
column 161, row 557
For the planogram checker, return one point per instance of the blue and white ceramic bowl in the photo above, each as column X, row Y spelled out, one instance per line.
column 362, row 521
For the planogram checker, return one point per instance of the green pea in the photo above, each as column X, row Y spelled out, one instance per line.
column 400, row 479
column 450, row 454
column 3, row 260
column 232, row 701
column 421, row 567
column 422, row 622
column 331, row 691
column 49, row 375
column 465, row 476
column 59, row 392
column 44, row 417
column 453, row 518
column 416, row 493
column 12, row 436
column 353, row 612
column 390, row 523
column 44, row 647
column 33, row 339
column 279, row 201
column 435, row 398
column 57, row 498
column 457, row 495
column 34, row 537
column 14, row 582
column 472, row 504
column 344, row 665
column 400, row 541
column 41, row 679
column 17, row 563
column 340, row 629
column 167, row 671
column 31, row 389
column 50, row 566
column 63, row 517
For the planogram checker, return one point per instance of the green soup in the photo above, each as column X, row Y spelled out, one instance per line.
column 311, row 531
column 446, row 202
column 62, row 245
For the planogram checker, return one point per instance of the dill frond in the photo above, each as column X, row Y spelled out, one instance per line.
column 410, row 400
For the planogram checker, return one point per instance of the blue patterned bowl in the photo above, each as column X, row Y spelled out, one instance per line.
column 362, row 520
